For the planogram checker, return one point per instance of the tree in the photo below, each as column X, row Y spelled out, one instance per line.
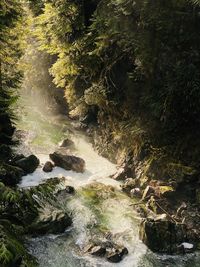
column 10, row 15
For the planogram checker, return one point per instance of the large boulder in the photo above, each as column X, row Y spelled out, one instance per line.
column 68, row 162
column 27, row 164
column 50, row 222
column 162, row 235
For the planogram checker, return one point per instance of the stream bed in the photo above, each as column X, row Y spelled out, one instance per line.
column 110, row 212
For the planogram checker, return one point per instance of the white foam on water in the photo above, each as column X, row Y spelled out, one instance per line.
column 97, row 168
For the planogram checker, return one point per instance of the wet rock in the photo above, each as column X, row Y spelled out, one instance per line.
column 67, row 143
column 116, row 254
column 185, row 248
column 17, row 157
column 162, row 235
column 111, row 251
column 50, row 222
column 27, row 164
column 98, row 251
column 48, row 166
column 135, row 192
column 68, row 162
column 128, row 185
column 114, row 257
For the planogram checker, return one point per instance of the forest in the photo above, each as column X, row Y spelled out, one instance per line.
column 99, row 133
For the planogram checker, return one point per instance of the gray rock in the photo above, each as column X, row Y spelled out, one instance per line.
column 48, row 166
column 68, row 162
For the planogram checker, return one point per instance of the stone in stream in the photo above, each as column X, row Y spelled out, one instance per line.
column 111, row 251
column 48, row 166
column 68, row 162
column 98, row 251
column 67, row 143
column 116, row 254
column 27, row 164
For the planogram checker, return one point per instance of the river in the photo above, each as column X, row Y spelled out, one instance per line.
column 110, row 212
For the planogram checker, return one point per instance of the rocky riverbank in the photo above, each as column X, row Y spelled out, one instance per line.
column 166, row 189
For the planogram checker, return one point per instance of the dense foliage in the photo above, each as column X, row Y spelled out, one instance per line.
column 133, row 65
column 10, row 27
column 134, row 61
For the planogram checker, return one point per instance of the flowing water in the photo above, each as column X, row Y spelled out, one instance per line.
column 98, row 207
